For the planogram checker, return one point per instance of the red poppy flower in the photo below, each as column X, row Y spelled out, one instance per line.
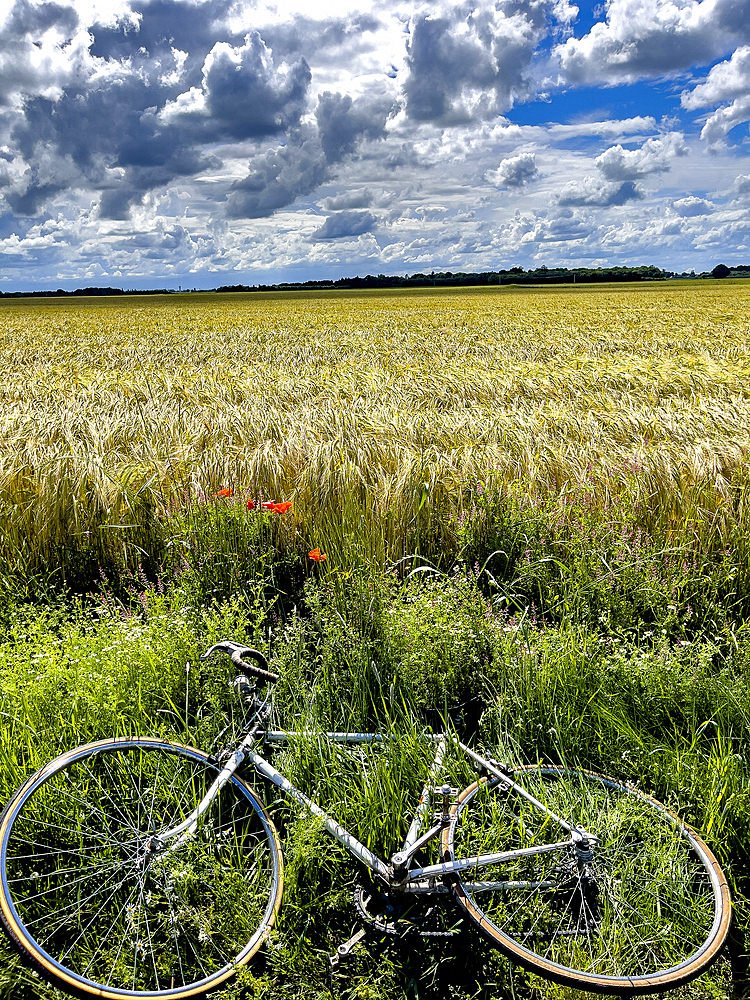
column 277, row 508
column 227, row 492
column 317, row 555
column 250, row 505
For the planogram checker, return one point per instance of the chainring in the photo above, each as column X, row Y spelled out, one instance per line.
column 398, row 914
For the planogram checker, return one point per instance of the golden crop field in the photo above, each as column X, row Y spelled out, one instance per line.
column 401, row 400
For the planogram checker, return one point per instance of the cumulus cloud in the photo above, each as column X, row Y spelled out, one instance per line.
column 345, row 224
column 593, row 191
column 728, row 81
column 474, row 62
column 41, row 47
column 655, row 155
column 243, row 95
column 138, row 131
column 343, row 122
column 127, row 129
column 357, row 198
column 692, row 206
column 279, row 176
column 332, row 39
column 514, row 171
column 652, row 38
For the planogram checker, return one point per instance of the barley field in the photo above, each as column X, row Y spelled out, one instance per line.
column 389, row 405
column 519, row 512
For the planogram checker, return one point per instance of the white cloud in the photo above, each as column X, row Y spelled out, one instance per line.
column 594, row 191
column 211, row 133
column 514, row 171
column 692, row 206
column 727, row 81
column 654, row 156
column 653, row 38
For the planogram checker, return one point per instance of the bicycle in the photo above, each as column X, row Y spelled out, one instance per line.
column 137, row 867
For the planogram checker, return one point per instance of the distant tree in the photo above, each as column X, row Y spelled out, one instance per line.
column 720, row 271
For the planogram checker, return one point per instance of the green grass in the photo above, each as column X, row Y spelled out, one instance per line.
column 626, row 678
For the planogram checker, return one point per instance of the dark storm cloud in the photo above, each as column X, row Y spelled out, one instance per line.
column 279, row 177
column 100, row 130
column 32, row 19
column 324, row 37
column 31, row 201
column 159, row 25
column 246, row 97
column 359, row 198
column 25, row 24
column 143, row 118
column 345, row 224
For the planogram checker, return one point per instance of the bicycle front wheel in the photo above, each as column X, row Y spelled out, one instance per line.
column 101, row 906
column 639, row 907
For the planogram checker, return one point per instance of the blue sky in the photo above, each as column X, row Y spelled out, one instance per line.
column 199, row 142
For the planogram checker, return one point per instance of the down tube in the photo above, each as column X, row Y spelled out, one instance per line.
column 340, row 833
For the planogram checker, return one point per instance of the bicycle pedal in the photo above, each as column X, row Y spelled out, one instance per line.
column 448, row 795
column 444, row 791
column 344, row 949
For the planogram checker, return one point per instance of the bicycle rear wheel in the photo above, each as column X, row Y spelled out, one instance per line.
column 98, row 905
column 648, row 910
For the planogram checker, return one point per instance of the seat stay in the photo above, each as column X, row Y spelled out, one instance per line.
column 513, row 786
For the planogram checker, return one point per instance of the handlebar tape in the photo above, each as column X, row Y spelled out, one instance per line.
column 236, row 650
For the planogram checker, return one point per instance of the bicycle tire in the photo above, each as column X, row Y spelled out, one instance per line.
column 650, row 911
column 98, row 906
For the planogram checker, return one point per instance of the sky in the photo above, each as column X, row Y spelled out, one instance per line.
column 194, row 143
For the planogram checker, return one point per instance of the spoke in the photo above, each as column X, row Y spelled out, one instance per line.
column 78, row 874
column 653, row 927
column 151, row 947
column 86, row 802
column 65, row 885
column 77, row 903
column 97, row 911
column 77, row 832
column 105, row 762
column 107, row 936
column 172, row 925
column 54, row 852
column 689, row 916
column 155, row 782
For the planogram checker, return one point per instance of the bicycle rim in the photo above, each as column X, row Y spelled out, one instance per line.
column 649, row 910
column 92, row 905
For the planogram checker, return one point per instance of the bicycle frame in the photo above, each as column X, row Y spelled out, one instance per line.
column 428, row 879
